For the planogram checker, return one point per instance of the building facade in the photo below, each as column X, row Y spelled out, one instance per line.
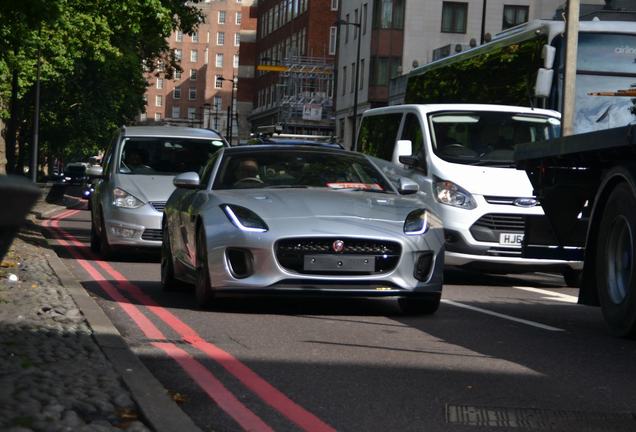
column 288, row 67
column 400, row 35
column 200, row 95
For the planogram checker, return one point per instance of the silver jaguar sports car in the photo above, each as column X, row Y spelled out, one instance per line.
column 301, row 220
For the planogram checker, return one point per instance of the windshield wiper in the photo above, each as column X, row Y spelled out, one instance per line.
column 287, row 187
column 494, row 162
column 353, row 189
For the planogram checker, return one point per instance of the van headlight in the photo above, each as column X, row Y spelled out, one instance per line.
column 123, row 199
column 416, row 222
column 244, row 219
column 449, row 193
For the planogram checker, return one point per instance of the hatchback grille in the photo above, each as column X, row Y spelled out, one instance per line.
column 158, row 205
column 501, row 200
column 152, row 234
column 502, row 222
column 290, row 253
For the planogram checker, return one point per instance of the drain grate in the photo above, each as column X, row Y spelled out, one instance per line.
column 539, row 419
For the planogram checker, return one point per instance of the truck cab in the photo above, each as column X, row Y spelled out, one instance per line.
column 461, row 155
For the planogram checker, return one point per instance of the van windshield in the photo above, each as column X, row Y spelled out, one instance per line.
column 166, row 156
column 485, row 137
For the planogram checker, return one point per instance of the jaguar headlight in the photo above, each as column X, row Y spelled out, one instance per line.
column 449, row 193
column 123, row 199
column 244, row 219
column 416, row 222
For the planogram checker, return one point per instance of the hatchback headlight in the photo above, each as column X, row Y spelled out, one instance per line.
column 416, row 222
column 123, row 199
column 449, row 193
column 244, row 219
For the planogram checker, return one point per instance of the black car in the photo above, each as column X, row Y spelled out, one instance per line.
column 75, row 174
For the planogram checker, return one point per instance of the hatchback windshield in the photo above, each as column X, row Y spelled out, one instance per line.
column 299, row 169
column 487, row 138
column 166, row 156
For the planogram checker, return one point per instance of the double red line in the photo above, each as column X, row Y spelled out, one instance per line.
column 212, row 386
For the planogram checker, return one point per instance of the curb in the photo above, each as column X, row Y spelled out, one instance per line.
column 155, row 404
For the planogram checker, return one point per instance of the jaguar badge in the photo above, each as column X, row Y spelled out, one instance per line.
column 337, row 246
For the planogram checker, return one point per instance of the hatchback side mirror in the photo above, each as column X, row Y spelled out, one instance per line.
column 187, row 180
column 95, row 171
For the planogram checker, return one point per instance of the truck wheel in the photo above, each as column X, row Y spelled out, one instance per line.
column 616, row 262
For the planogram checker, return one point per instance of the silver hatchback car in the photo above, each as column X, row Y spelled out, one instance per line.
column 135, row 181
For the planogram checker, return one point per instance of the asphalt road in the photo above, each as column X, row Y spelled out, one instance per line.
column 509, row 352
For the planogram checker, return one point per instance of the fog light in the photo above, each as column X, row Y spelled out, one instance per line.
column 423, row 266
column 125, row 232
column 240, row 262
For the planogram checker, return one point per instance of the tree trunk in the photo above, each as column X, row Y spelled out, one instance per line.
column 3, row 150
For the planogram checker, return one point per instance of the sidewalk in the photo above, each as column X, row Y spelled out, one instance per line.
column 63, row 365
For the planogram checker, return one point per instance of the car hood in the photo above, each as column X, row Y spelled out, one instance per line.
column 494, row 181
column 322, row 203
column 147, row 187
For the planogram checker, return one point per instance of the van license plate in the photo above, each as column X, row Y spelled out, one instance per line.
column 510, row 239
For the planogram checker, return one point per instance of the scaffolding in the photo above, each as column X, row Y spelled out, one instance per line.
column 305, row 95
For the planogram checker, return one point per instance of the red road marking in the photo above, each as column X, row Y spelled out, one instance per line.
column 268, row 393
column 199, row 374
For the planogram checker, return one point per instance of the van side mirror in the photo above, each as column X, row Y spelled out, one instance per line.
column 406, row 186
column 404, row 148
column 95, row 171
column 548, row 52
column 187, row 180
column 544, row 83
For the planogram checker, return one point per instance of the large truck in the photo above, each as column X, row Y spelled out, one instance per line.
column 585, row 182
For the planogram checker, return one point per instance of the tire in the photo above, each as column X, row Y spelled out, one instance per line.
column 202, row 286
column 94, row 236
column 418, row 306
column 168, row 281
column 572, row 277
column 616, row 262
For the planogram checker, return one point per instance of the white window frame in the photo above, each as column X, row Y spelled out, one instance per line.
column 221, row 17
column 194, row 56
column 159, row 83
column 195, row 37
column 193, row 74
column 192, row 93
column 237, row 39
column 178, row 36
column 333, row 37
column 157, row 116
column 235, row 61
column 177, row 93
column 218, row 60
column 158, row 100
column 334, row 5
column 176, row 112
column 238, row 18
column 220, row 38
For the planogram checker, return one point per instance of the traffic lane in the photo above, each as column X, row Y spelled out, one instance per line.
column 376, row 359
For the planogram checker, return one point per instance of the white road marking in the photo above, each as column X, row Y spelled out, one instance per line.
column 499, row 315
column 550, row 295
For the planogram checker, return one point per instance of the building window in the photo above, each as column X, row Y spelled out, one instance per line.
column 177, row 93
column 347, row 29
column 217, row 102
column 195, row 37
column 235, row 62
column 237, row 18
column 355, row 28
column 176, row 112
column 221, row 17
column 364, row 19
column 218, row 83
column 193, row 74
column 333, row 36
column 383, row 14
column 454, row 17
column 361, row 76
column 334, row 5
column 205, row 56
column 177, row 74
column 514, row 15
column 237, row 39
column 178, row 54
column 157, row 116
column 159, row 83
column 353, row 77
column 158, row 100
column 178, row 36
column 192, row 113
column 143, row 117
column 344, row 80
column 220, row 38
column 192, row 93
column 194, row 56
column 219, row 60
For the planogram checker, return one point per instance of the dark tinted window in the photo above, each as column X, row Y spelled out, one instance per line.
column 377, row 135
column 412, row 131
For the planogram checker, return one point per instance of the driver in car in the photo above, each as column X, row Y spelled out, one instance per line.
column 247, row 171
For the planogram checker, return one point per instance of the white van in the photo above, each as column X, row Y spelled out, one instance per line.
column 461, row 155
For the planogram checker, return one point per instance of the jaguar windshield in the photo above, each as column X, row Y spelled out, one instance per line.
column 487, row 138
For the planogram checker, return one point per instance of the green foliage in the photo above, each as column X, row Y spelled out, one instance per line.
column 92, row 55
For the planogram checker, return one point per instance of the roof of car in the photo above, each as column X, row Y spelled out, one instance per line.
column 287, row 147
column 292, row 141
column 170, row 131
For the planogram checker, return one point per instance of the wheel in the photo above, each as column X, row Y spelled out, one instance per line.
column 202, row 286
column 95, row 242
column 105, row 249
column 572, row 277
column 168, row 281
column 616, row 262
column 418, row 306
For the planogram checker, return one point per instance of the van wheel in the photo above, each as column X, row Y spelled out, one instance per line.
column 418, row 306
column 202, row 286
column 616, row 262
